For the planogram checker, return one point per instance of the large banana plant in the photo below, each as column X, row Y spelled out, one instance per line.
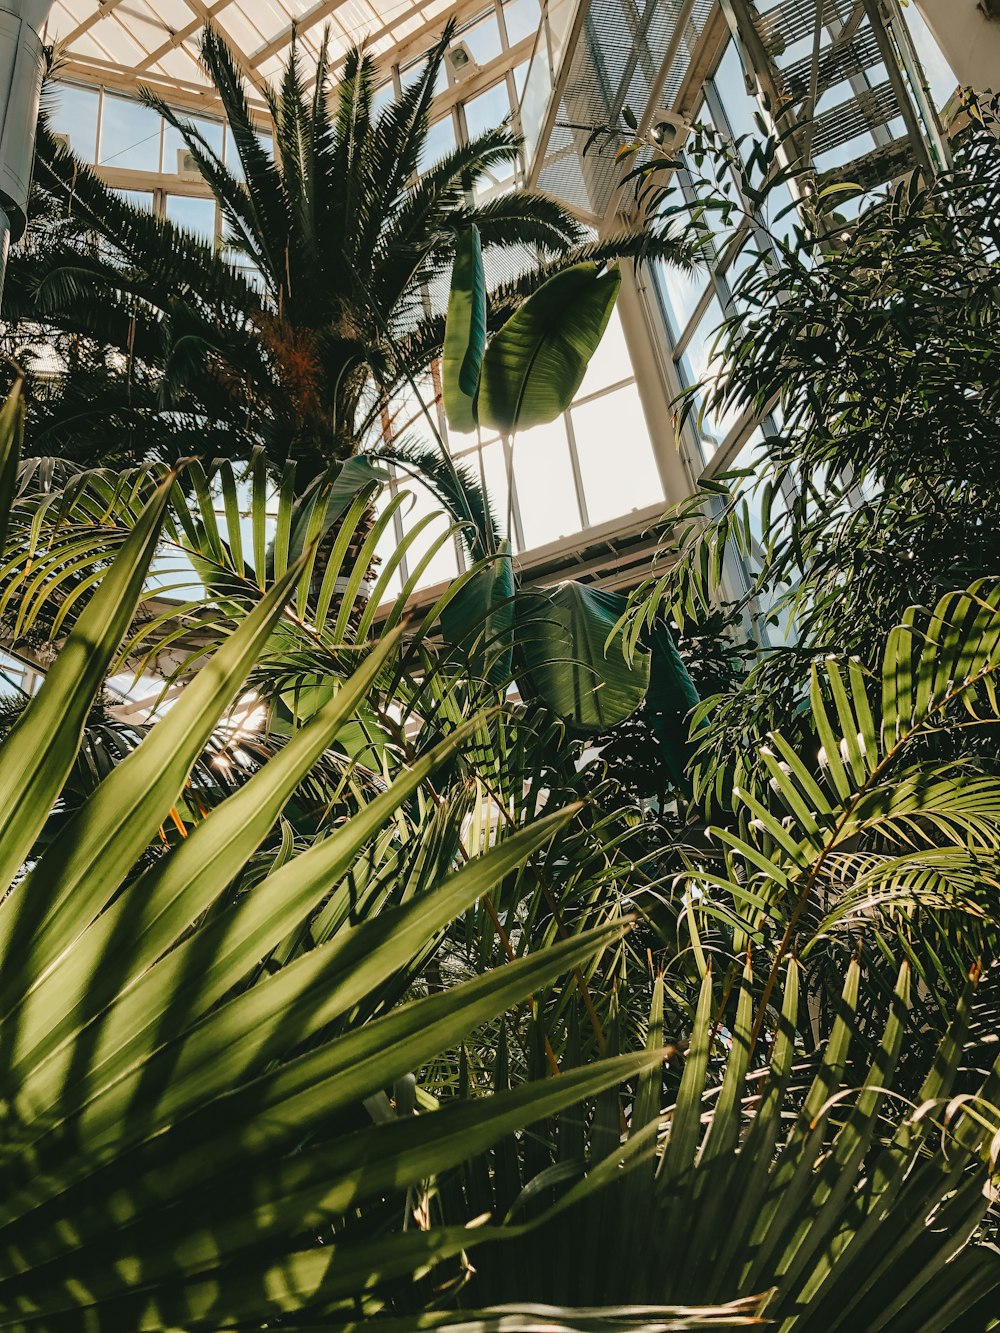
column 184, row 1145
column 849, row 1205
column 568, row 643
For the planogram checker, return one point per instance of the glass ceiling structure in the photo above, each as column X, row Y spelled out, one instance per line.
column 126, row 43
column 568, row 497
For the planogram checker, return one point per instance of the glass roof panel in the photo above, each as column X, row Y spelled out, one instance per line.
column 125, row 43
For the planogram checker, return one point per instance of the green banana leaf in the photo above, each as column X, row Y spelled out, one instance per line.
column 478, row 622
column 536, row 362
column 465, row 333
column 561, row 634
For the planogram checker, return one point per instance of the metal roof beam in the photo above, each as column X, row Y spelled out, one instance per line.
column 180, row 36
column 325, row 9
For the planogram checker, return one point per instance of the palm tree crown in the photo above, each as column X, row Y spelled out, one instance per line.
column 185, row 348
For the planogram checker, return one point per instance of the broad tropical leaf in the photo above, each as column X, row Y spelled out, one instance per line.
column 479, row 620
column 534, row 365
column 465, row 333
column 563, row 635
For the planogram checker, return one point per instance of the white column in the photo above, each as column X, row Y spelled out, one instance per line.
column 22, row 64
column 969, row 39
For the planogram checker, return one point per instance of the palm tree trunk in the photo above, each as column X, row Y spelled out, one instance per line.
column 348, row 565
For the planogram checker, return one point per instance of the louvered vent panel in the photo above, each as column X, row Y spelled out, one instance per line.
column 616, row 63
column 836, row 61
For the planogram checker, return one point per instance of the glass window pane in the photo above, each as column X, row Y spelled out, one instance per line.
column 488, row 110
column 940, row 75
column 702, row 363
column 130, row 135
column 14, row 676
column 412, row 72
column 194, row 215
column 461, row 444
column 443, row 565
column 521, row 18
column 494, row 471
column 73, row 111
column 616, row 458
column 681, row 289
column 173, row 575
column 383, row 96
column 173, row 141
column 698, row 352
column 439, row 142
column 737, row 103
column 233, row 161
column 483, row 39
column 138, row 198
column 754, row 455
column 546, row 494
column 405, row 410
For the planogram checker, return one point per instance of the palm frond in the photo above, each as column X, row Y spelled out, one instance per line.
column 457, row 488
column 268, row 212
column 153, row 1073
column 816, row 1199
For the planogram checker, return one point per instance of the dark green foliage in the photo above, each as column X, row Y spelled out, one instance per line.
column 875, row 344
column 808, row 1186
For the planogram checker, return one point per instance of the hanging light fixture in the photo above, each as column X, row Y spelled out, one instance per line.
column 461, row 63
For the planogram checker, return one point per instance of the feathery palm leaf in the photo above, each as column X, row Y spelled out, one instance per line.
column 847, row 1206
